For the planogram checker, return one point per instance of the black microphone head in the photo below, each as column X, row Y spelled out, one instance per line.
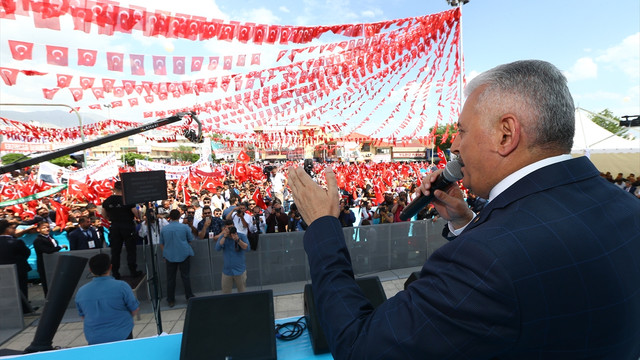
column 453, row 171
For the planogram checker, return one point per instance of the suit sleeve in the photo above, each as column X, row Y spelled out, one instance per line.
column 73, row 240
column 461, row 307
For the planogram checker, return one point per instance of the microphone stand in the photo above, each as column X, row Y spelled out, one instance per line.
column 153, row 279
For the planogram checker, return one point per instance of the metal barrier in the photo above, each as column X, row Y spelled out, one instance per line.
column 281, row 259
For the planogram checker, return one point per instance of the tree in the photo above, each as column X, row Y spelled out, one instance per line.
column 13, row 157
column 609, row 125
column 440, row 132
column 185, row 153
column 130, row 158
column 63, row 161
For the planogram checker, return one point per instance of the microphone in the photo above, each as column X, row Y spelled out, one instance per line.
column 452, row 173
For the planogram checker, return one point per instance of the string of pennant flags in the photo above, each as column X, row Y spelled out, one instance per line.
column 346, row 83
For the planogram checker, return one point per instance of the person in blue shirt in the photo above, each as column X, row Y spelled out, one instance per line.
column 233, row 245
column 176, row 250
column 106, row 305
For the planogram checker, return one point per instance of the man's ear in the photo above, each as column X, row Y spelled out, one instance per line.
column 510, row 130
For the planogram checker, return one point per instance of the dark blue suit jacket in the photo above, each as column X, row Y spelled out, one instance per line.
column 78, row 240
column 550, row 269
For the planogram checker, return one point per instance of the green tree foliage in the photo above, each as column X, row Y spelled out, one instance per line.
column 13, row 157
column 440, row 131
column 130, row 158
column 609, row 125
column 185, row 153
column 63, row 161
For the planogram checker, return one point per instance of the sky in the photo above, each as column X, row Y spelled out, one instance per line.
column 595, row 43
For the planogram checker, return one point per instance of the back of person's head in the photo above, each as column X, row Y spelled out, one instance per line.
column 117, row 185
column 4, row 225
column 228, row 222
column 99, row 264
column 174, row 214
column 537, row 93
column 233, row 200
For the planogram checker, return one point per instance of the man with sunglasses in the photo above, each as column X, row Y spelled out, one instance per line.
column 210, row 227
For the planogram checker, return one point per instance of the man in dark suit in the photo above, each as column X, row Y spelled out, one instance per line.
column 549, row 269
column 44, row 243
column 85, row 236
column 15, row 251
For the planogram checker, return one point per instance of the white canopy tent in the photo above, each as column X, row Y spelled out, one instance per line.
column 606, row 150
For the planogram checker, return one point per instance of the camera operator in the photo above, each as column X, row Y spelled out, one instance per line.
column 278, row 220
column 257, row 227
column 233, row 244
column 366, row 213
column 346, row 217
column 296, row 223
column 382, row 215
column 210, row 227
column 241, row 219
column 399, row 205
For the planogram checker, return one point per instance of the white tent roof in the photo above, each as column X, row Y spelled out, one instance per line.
column 591, row 138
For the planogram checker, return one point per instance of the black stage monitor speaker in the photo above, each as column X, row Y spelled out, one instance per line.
column 143, row 186
column 233, row 326
column 372, row 288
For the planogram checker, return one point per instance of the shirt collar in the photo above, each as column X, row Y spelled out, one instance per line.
column 514, row 177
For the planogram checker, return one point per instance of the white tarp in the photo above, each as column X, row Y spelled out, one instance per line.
column 607, row 151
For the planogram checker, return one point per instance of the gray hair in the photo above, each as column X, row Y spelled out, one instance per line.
column 537, row 92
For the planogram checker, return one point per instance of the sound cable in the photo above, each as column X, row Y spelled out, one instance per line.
column 291, row 330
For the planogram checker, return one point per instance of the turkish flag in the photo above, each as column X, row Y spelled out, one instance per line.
column 285, row 33
column 8, row 75
column 272, row 36
column 86, row 82
column 210, row 29
column 178, row 65
column 159, row 65
column 138, row 89
column 228, row 62
column 193, row 27
column 443, row 158
column 107, row 85
column 148, row 114
column 98, row 92
column 128, row 86
column 118, row 91
column 242, row 59
column 227, row 32
column 244, row 32
column 20, row 50
column 258, row 199
column 57, row 55
column 77, row 189
column 125, row 20
column 133, row 102
column 87, row 57
column 95, row 106
column 77, row 93
column 196, row 63
column 148, row 99
column 255, row 59
column 209, row 183
column 240, row 172
column 115, row 61
column 62, row 213
column 213, row 62
column 115, row 104
column 137, row 64
column 243, row 157
column 49, row 93
column 259, row 33
column 64, row 80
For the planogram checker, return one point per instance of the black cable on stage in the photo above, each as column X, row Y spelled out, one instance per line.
column 291, row 330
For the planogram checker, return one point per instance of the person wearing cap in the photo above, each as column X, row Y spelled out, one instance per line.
column 106, row 305
column 122, row 230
